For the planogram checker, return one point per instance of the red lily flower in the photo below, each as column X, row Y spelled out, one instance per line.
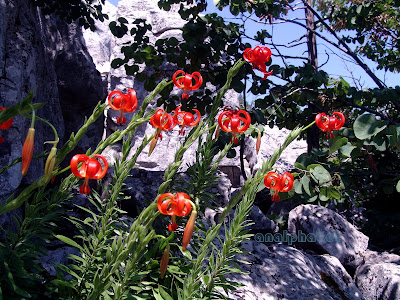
column 90, row 169
column 186, row 82
column 184, row 118
column 5, row 125
column 178, row 205
column 329, row 123
column 27, row 150
column 123, row 102
column 258, row 57
column 278, row 183
column 163, row 122
column 231, row 121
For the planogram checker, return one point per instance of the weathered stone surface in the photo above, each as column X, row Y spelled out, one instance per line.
column 58, row 256
column 79, row 84
column 271, row 140
column 25, row 65
column 48, row 56
column 378, row 277
column 334, row 235
column 261, row 222
column 335, row 276
column 99, row 42
column 282, row 272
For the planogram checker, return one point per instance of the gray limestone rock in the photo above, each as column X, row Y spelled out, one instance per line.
column 332, row 233
column 274, row 137
column 378, row 277
column 261, row 222
column 45, row 55
column 283, row 272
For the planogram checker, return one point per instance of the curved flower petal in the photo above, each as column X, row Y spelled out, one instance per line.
column 101, row 171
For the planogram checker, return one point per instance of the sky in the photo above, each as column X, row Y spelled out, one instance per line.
column 335, row 66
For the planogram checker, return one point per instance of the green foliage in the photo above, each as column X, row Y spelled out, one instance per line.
column 375, row 24
column 86, row 12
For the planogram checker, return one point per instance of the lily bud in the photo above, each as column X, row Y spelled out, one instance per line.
column 164, row 261
column 217, row 133
column 187, row 234
column 50, row 162
column 258, row 144
column 27, row 150
column 153, row 144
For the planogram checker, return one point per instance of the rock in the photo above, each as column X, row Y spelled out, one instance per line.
column 332, row 233
column 271, row 140
column 57, row 256
column 48, row 56
column 283, row 272
column 26, row 65
column 79, row 85
column 335, row 276
column 100, row 42
column 261, row 222
column 379, row 276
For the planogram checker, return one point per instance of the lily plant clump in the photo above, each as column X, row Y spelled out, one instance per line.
column 143, row 257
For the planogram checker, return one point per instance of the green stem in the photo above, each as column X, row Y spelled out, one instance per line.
column 308, row 126
column 33, row 116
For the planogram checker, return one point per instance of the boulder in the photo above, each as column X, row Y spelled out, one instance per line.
column 26, row 65
column 328, row 232
column 283, row 272
column 45, row 55
column 271, row 139
column 378, row 277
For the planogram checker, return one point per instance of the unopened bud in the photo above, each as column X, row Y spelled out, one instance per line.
column 258, row 144
column 164, row 261
column 50, row 162
column 27, row 150
column 217, row 133
column 187, row 234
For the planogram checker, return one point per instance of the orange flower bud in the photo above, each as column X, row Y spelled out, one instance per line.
column 164, row 261
column 27, row 150
column 187, row 234
column 153, row 144
column 258, row 144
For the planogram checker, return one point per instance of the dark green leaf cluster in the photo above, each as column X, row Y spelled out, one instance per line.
column 86, row 12
column 22, row 245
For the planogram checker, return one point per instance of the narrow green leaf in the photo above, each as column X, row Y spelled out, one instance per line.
column 69, row 241
column 164, row 294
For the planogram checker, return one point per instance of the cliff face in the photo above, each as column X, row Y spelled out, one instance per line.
column 49, row 57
